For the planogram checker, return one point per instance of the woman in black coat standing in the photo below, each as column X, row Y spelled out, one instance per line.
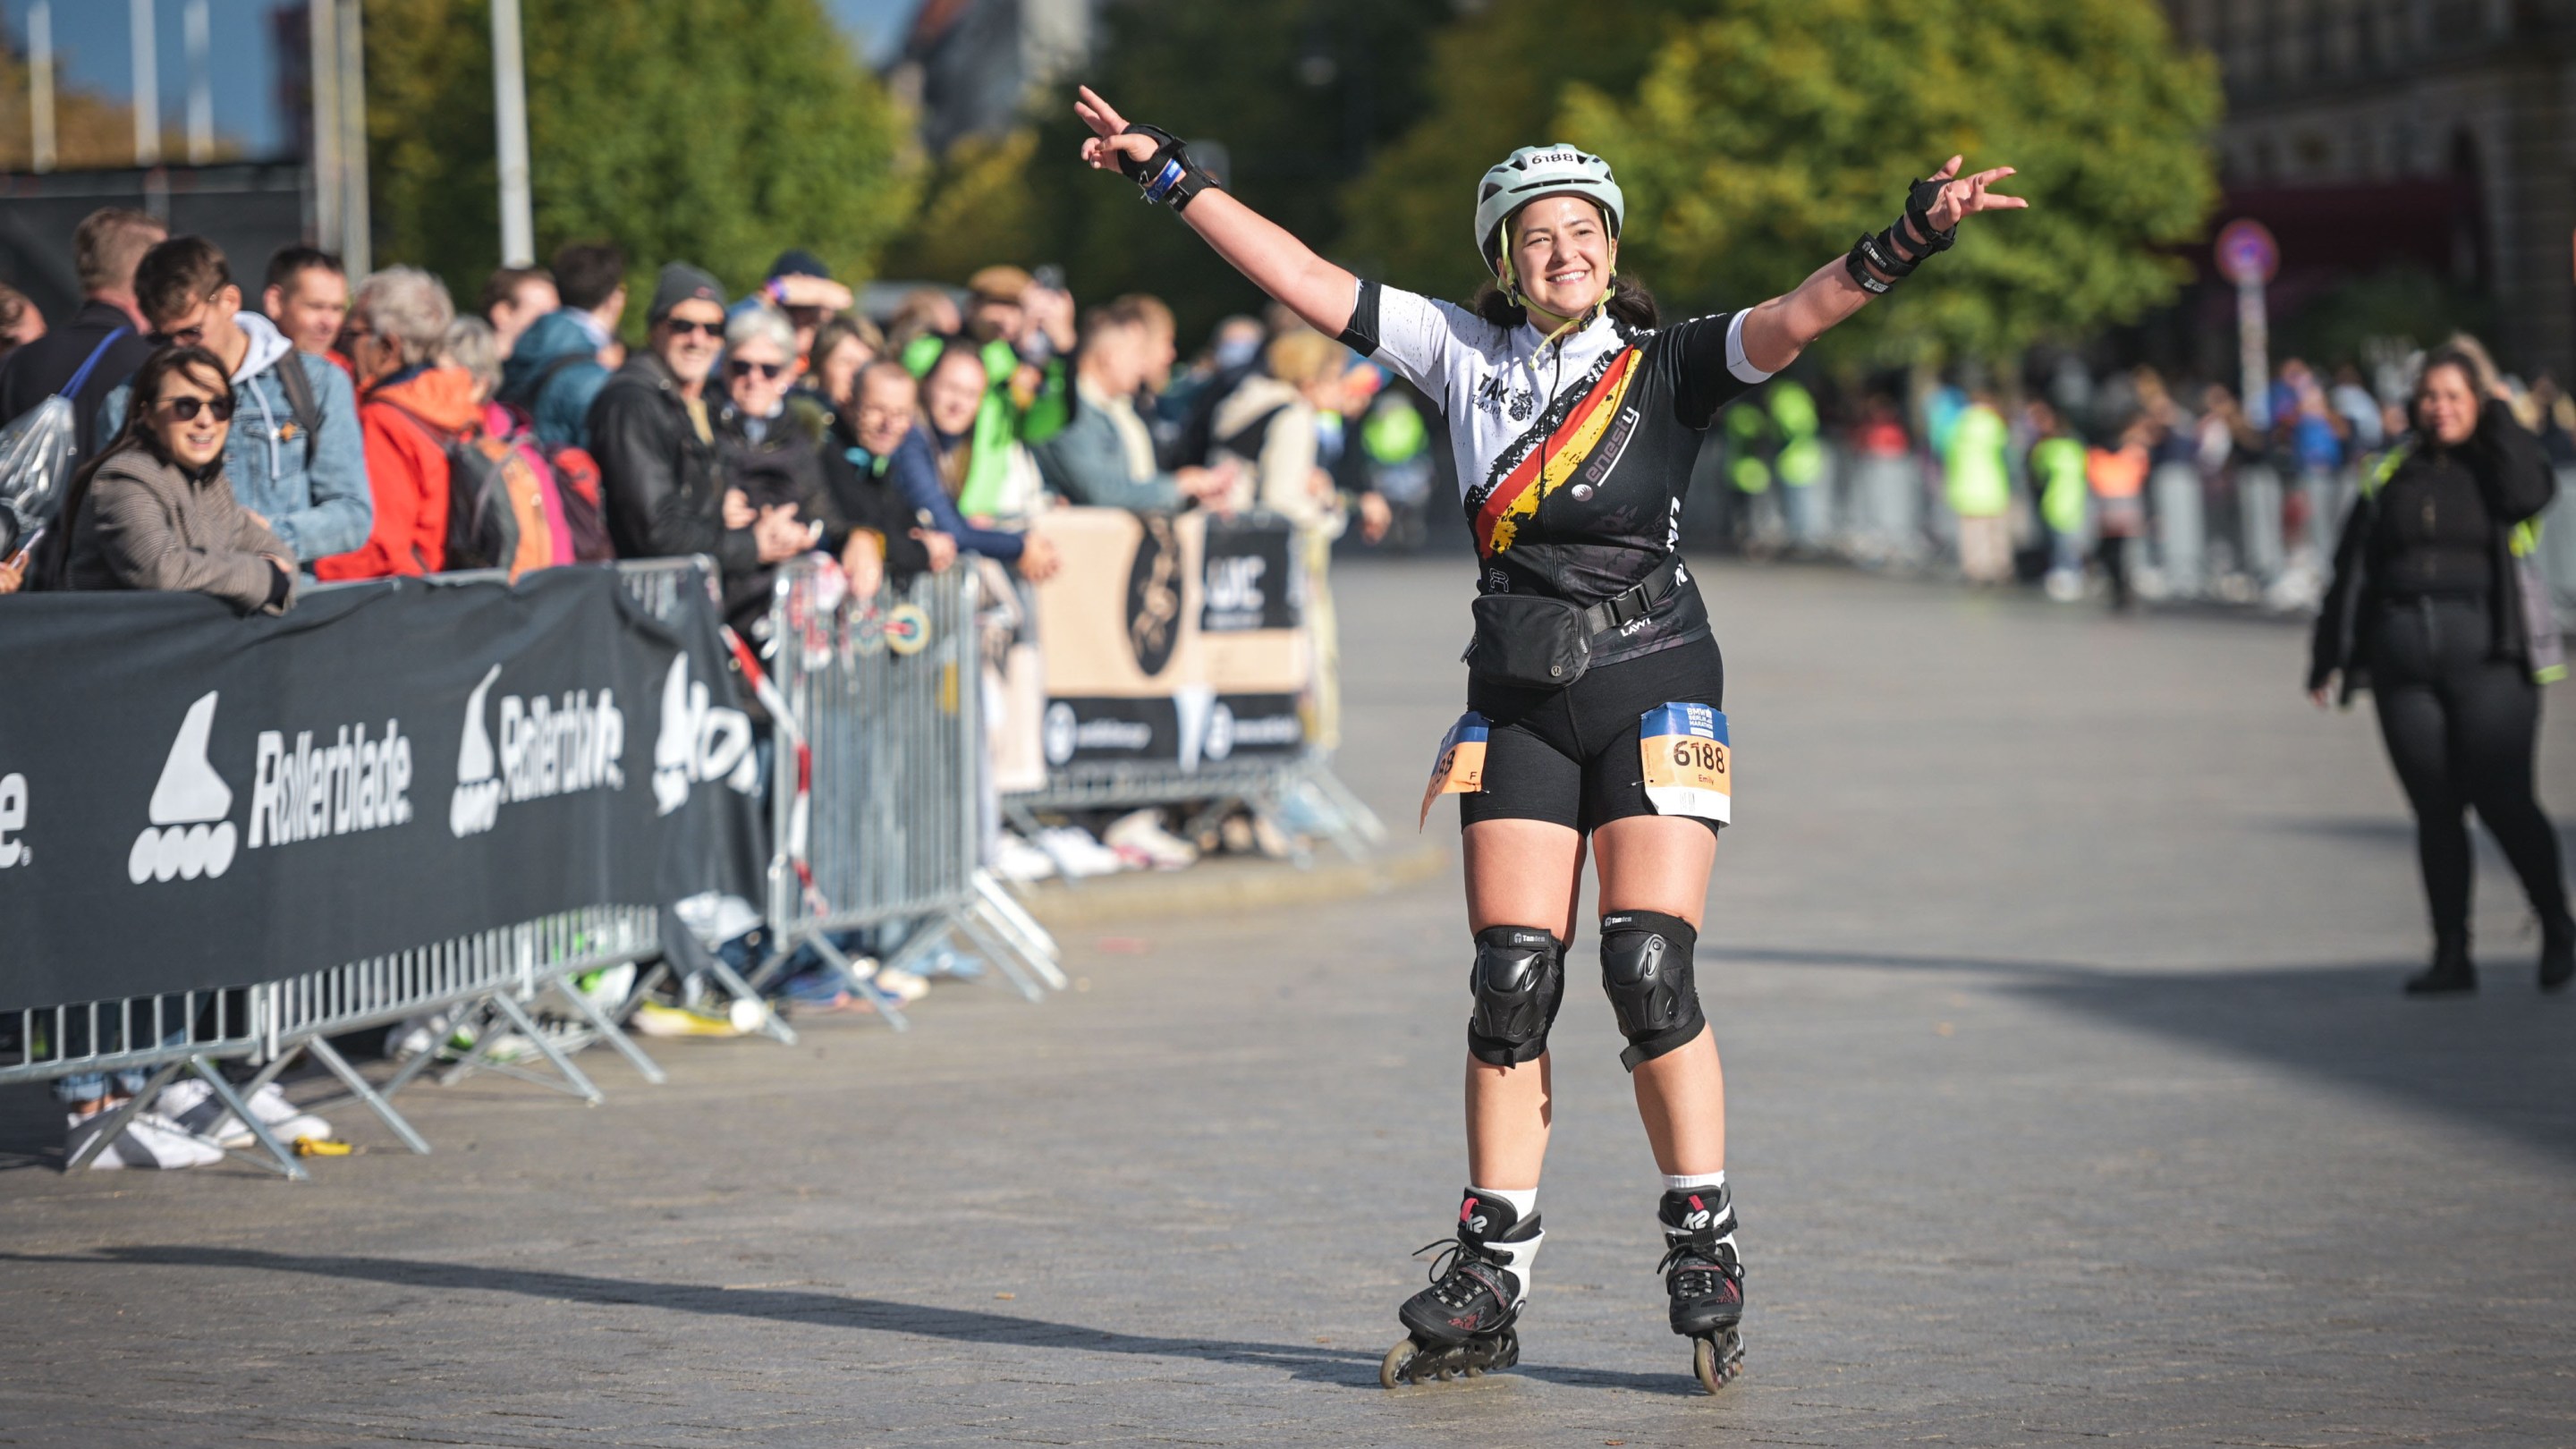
column 2435, row 610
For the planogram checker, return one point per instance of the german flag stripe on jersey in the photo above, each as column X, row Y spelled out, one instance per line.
column 1517, row 494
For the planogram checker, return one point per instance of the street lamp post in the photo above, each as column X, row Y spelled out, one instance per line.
column 40, row 83
column 510, row 127
column 147, row 85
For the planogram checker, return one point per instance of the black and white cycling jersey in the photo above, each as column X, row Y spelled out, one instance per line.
column 1573, row 456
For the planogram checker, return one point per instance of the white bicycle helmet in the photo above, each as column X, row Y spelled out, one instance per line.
column 1535, row 171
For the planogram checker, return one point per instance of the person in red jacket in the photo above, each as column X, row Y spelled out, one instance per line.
column 410, row 406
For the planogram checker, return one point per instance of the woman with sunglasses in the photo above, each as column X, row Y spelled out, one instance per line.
column 773, row 453
column 153, row 510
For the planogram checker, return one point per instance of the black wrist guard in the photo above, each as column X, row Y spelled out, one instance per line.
column 1875, row 251
column 1894, row 253
column 1169, row 175
column 1918, row 214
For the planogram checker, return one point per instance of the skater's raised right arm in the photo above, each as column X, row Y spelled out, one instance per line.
column 1276, row 262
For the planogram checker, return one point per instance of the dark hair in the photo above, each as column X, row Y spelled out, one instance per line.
column 177, row 275
column 589, row 273
column 107, row 244
column 54, row 562
column 967, row 348
column 2469, row 358
column 297, row 257
column 504, row 284
column 1630, row 303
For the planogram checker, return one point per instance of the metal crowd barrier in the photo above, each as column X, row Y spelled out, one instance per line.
column 1296, row 792
column 879, row 782
column 879, row 789
column 2233, row 539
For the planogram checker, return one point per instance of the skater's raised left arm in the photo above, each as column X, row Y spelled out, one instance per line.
column 1778, row 330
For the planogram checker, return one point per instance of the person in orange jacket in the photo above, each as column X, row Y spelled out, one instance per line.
column 410, row 407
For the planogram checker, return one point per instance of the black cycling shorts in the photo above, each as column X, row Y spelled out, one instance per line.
column 1569, row 756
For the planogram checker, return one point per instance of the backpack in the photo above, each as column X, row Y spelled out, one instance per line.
column 572, row 477
column 300, row 399
column 496, row 513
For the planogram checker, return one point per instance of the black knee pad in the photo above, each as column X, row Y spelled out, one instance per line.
column 1519, row 981
column 1646, row 968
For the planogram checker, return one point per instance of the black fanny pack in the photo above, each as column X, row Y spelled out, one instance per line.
column 1528, row 641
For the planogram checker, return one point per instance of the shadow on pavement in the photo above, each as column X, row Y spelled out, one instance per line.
column 1348, row 1367
column 2499, row 1061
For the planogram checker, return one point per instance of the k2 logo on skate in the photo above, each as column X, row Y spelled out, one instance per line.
column 309, row 792
column 548, row 748
column 700, row 741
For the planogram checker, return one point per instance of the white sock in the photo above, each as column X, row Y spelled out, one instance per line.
column 1519, row 1255
column 1710, row 1182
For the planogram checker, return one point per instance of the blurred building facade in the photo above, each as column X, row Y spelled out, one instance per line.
column 968, row 65
column 2434, row 133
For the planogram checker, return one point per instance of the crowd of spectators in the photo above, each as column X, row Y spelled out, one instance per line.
column 325, row 429
column 2083, row 480
column 749, row 429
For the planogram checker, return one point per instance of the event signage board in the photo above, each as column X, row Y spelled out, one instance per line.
column 1171, row 641
column 190, row 799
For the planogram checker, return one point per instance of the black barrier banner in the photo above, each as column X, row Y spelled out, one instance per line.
column 192, row 800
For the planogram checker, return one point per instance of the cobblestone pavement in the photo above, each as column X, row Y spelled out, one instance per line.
column 2054, row 961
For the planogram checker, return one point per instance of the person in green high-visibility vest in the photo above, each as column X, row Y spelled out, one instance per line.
column 1024, row 330
column 1980, row 488
column 1749, row 450
column 1397, row 444
column 1800, row 465
column 2057, row 476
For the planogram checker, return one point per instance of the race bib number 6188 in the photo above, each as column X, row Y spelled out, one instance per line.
column 1689, row 767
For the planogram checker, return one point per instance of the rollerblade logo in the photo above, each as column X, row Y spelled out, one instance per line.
column 700, row 741
column 309, row 792
column 548, row 748
column 189, row 836
column 13, row 820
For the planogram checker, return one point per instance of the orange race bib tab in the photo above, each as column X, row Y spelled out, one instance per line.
column 1689, row 768
column 1460, row 770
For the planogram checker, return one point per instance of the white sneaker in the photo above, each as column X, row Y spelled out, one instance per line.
column 150, row 1140
column 1016, row 860
column 193, row 1105
column 902, row 985
column 1077, row 854
column 1142, row 832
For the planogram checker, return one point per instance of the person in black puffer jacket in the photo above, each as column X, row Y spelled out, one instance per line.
column 2430, row 611
column 783, row 470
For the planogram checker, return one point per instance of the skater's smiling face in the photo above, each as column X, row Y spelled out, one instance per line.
column 1562, row 254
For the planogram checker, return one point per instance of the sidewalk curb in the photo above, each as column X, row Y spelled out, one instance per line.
column 1229, row 886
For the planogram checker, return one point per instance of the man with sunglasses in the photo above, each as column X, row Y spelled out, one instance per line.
column 652, row 431
column 294, row 458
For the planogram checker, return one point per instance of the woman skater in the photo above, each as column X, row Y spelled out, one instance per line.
column 1594, row 681
column 2434, row 612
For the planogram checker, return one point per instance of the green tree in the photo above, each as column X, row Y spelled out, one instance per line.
column 1497, row 82
column 711, row 131
column 1758, row 141
column 1298, row 93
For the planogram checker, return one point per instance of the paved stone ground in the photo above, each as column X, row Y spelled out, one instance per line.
column 2072, row 1098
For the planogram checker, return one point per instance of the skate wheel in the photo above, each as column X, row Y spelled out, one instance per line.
column 1718, row 1359
column 1391, row 1370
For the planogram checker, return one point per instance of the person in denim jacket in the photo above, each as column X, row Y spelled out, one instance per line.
column 310, row 491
